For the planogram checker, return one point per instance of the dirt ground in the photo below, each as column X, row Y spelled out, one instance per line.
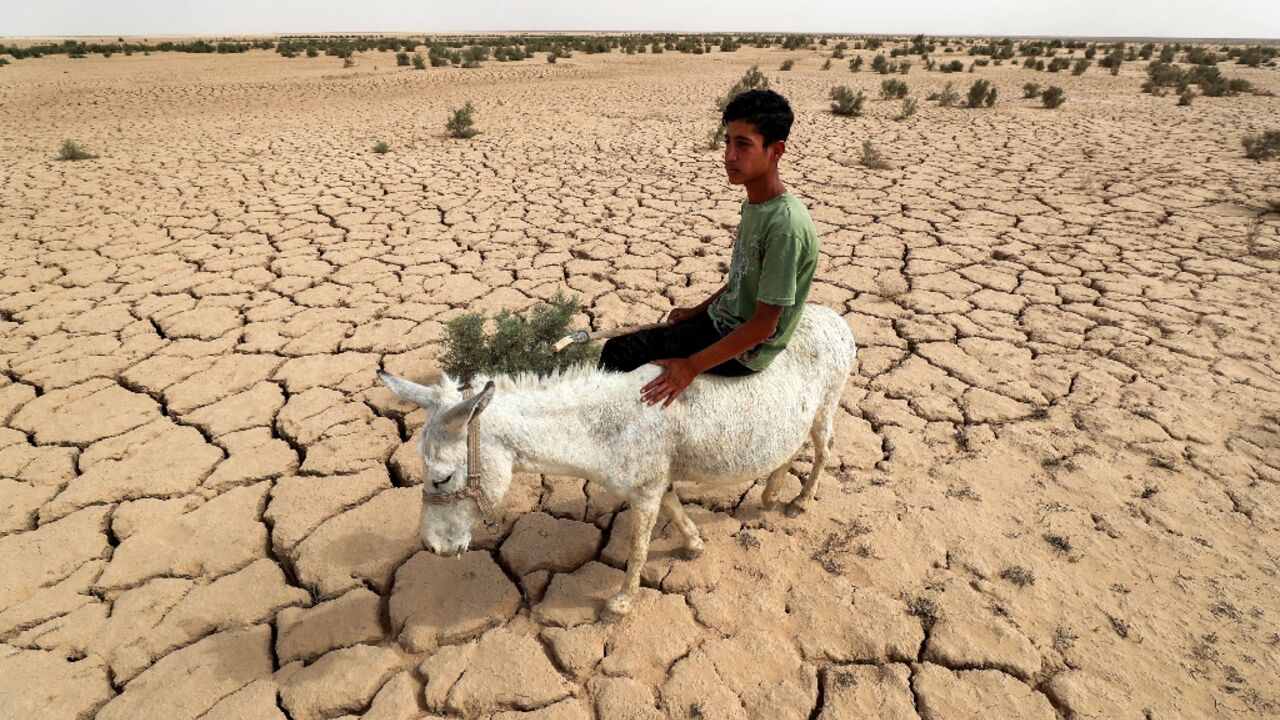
column 1056, row 490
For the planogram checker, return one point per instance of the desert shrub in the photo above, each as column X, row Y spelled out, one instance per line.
column 909, row 106
column 855, row 64
column 753, row 79
column 402, row 59
column 844, row 102
column 953, row 66
column 1053, row 96
column 827, row 65
column 880, row 64
column 462, row 124
column 1262, row 147
column 381, row 147
column 1080, row 66
column 1058, row 63
column 348, row 62
column 1186, row 97
column 518, row 343
column 892, row 89
column 948, row 96
column 312, row 52
column 551, row 57
column 981, row 93
column 872, row 158
column 1031, row 90
column 787, row 64
column 72, row 151
column 419, row 62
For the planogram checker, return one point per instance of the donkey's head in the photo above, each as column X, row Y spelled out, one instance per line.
column 445, row 528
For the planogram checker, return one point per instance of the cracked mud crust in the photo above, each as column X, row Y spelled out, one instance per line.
column 1055, row 483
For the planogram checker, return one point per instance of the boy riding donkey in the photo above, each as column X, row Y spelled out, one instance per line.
column 747, row 322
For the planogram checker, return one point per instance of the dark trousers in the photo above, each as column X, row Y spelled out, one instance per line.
column 628, row 352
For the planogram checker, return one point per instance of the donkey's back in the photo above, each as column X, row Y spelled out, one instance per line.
column 730, row 429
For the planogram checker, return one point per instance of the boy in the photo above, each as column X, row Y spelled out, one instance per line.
column 745, row 324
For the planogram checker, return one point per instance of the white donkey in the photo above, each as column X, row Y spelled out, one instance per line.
column 592, row 424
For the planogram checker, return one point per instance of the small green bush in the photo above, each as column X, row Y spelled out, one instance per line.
column 1053, row 96
column 844, row 102
column 827, row 65
column 880, row 64
column 1031, row 90
column 981, row 93
column 1186, row 97
column 348, row 62
column 953, row 66
column 892, row 89
column 72, row 151
column 787, row 64
column 855, row 64
column 551, row 57
column 948, row 96
column 312, row 52
column 1262, row 147
column 1080, row 66
column 462, row 124
column 382, row 148
column 872, row 158
column 402, row 59
column 909, row 106
column 753, row 79
column 518, row 343
column 419, row 62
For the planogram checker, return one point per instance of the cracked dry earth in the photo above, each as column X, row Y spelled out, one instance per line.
column 1055, row 490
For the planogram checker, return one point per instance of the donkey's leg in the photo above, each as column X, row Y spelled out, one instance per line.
column 821, row 433
column 769, row 498
column 644, row 515
column 675, row 513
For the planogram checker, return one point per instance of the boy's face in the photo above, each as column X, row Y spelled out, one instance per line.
column 745, row 156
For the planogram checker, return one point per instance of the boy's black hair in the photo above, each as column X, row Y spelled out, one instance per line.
column 766, row 109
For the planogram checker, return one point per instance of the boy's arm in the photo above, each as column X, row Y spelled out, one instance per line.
column 758, row 328
column 681, row 371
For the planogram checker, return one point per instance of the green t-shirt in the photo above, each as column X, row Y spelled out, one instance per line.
column 774, row 256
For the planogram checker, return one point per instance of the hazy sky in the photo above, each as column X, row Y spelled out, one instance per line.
column 1159, row 18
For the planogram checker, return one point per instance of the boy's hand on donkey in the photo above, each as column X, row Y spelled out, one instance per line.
column 668, row 386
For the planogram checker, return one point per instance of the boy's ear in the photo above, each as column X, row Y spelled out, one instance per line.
column 777, row 149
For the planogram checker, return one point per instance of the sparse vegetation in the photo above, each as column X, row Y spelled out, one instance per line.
column 845, row 102
column 462, row 124
column 893, row 89
column 1053, row 96
column 381, row 147
column 402, row 59
column 909, row 107
column 419, row 62
column 1262, row 147
column 855, row 64
column 948, row 96
column 752, row 79
column 982, row 92
column 72, row 151
column 1031, row 90
column 1186, row 97
column 1080, row 66
column 518, row 344
column 1058, row 542
column 872, row 158
column 826, row 65
column 348, row 62
column 951, row 67
column 1018, row 575
column 787, row 64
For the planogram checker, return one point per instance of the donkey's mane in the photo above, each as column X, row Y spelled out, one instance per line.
column 524, row 381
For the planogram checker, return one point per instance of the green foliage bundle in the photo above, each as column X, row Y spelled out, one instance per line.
column 517, row 344
column 1053, row 96
column 892, row 89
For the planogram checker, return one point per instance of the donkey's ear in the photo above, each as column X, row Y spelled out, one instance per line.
column 456, row 417
column 428, row 396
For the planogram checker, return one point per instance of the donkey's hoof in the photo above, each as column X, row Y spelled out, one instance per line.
column 793, row 509
column 692, row 552
column 618, row 607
